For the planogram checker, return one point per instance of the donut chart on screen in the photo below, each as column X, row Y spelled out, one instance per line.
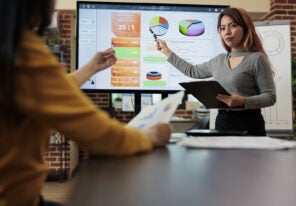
column 159, row 25
column 153, row 75
column 191, row 27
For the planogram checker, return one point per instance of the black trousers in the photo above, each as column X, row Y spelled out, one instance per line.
column 250, row 120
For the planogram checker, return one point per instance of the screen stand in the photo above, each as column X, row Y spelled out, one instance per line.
column 164, row 95
column 137, row 102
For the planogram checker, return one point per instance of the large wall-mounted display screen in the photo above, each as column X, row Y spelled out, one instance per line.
column 189, row 30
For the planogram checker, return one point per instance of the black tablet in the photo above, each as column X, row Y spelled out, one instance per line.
column 214, row 132
column 206, row 92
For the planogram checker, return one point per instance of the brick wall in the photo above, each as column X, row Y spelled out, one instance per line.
column 58, row 159
column 100, row 99
column 65, row 21
column 284, row 10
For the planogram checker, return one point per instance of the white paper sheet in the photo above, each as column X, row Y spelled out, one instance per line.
column 160, row 112
column 237, row 142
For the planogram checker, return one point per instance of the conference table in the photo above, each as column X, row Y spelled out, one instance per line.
column 175, row 176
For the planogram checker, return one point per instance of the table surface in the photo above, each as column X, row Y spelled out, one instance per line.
column 175, row 176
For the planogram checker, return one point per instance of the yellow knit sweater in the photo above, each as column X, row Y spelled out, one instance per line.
column 48, row 99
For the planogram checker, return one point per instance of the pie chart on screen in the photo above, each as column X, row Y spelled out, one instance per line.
column 191, row 27
column 159, row 25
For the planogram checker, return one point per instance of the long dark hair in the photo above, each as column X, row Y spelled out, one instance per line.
column 17, row 16
column 251, row 40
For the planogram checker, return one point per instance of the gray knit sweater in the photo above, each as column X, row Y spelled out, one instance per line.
column 252, row 78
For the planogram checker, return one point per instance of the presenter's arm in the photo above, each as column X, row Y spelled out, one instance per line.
column 232, row 100
column 163, row 47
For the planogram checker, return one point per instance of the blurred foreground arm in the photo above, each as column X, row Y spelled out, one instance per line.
column 99, row 62
column 159, row 134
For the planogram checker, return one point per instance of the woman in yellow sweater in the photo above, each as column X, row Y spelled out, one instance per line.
column 36, row 95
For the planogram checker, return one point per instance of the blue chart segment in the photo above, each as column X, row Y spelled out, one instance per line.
column 191, row 27
column 159, row 25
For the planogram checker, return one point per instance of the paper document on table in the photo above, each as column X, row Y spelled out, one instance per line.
column 160, row 112
column 237, row 142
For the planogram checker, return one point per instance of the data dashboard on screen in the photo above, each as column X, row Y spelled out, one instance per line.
column 189, row 30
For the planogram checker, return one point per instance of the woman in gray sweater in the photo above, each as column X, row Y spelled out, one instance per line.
column 244, row 71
